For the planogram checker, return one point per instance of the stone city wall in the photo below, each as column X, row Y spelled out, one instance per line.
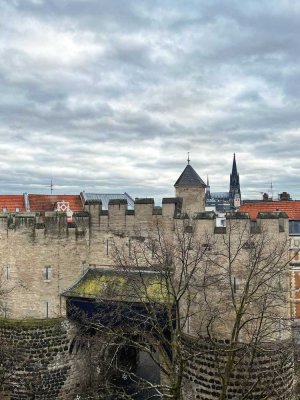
column 38, row 362
column 269, row 374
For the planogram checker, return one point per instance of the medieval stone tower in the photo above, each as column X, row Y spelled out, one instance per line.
column 191, row 189
column 44, row 256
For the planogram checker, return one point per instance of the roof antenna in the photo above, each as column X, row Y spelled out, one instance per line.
column 272, row 189
column 51, row 186
column 188, row 159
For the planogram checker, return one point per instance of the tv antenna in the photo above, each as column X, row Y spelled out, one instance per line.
column 51, row 186
column 271, row 187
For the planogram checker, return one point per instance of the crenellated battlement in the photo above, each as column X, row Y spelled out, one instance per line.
column 51, row 223
column 118, row 218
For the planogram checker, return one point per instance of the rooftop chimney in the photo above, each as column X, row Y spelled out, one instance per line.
column 265, row 197
column 284, row 196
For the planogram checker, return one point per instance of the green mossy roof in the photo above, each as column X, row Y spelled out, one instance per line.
column 30, row 322
column 237, row 215
column 205, row 215
column 272, row 215
column 116, row 285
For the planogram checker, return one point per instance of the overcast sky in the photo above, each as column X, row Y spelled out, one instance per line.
column 110, row 95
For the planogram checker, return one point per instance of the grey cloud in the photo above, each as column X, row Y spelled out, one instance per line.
column 140, row 84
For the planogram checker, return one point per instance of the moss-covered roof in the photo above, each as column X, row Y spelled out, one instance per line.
column 272, row 215
column 237, row 215
column 205, row 215
column 118, row 285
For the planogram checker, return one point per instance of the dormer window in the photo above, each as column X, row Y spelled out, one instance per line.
column 4, row 209
column 17, row 209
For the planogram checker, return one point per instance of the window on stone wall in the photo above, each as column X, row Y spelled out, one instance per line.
column 281, row 225
column 254, row 227
column 7, row 272
column 84, row 267
column 107, row 247
column 248, row 245
column 235, row 284
column 188, row 229
column 47, row 273
column 153, row 250
column 4, row 310
column 294, row 227
column 47, row 309
column 188, row 324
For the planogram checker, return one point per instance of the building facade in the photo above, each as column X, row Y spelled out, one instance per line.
column 292, row 209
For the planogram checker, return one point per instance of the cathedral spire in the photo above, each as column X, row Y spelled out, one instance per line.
column 234, row 188
column 234, row 168
column 207, row 193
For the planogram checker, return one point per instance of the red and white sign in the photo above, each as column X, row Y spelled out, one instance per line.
column 64, row 206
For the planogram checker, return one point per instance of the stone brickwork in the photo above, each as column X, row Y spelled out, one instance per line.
column 193, row 199
column 40, row 259
column 271, row 371
column 39, row 363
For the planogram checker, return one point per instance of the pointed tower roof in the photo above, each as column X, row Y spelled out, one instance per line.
column 189, row 177
column 234, row 168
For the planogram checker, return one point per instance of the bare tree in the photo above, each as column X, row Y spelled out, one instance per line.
column 181, row 295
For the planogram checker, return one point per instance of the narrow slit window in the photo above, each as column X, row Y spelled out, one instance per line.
column 5, row 310
column 153, row 250
column 235, row 284
column 47, row 273
column 188, row 324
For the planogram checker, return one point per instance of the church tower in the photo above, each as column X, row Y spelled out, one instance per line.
column 191, row 188
column 234, row 188
column 207, row 194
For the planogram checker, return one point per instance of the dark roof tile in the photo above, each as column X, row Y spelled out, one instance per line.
column 189, row 177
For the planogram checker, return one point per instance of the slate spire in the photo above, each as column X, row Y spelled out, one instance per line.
column 189, row 177
column 207, row 193
column 234, row 168
column 234, row 188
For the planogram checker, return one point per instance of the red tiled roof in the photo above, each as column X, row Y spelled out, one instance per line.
column 11, row 202
column 292, row 208
column 42, row 202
